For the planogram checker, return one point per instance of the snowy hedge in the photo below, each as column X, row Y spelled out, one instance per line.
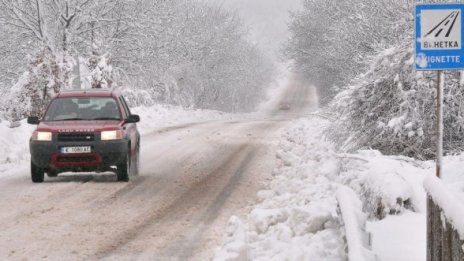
column 391, row 108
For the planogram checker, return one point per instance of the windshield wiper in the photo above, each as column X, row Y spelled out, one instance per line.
column 105, row 119
column 71, row 119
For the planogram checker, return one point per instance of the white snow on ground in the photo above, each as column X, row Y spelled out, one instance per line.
column 160, row 116
column 388, row 184
column 399, row 237
column 396, row 183
column 452, row 175
column 391, row 188
column 298, row 218
column 453, row 209
column 14, row 145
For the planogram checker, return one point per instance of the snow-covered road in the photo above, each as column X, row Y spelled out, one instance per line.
column 194, row 177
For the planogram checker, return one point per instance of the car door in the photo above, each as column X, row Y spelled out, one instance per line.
column 130, row 128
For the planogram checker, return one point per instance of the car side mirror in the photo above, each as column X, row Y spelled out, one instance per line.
column 133, row 118
column 34, row 120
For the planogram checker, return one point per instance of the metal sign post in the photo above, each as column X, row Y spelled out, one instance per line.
column 439, row 160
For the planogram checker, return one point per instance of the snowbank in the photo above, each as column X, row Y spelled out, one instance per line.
column 387, row 184
column 304, row 210
column 298, row 218
column 393, row 196
column 452, row 175
column 14, row 148
column 399, row 237
column 392, row 190
column 159, row 116
column 452, row 207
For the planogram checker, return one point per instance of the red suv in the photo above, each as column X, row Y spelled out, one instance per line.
column 83, row 131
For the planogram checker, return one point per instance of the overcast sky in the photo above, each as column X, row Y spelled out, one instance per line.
column 266, row 19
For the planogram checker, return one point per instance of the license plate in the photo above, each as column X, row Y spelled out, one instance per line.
column 70, row 150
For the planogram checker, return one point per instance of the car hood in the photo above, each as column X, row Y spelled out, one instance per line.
column 79, row 126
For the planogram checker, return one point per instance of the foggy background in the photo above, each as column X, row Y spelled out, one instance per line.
column 267, row 21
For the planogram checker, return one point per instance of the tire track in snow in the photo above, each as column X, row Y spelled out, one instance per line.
column 183, row 249
column 159, row 215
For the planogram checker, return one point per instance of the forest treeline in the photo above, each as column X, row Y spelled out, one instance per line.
column 181, row 52
column 360, row 56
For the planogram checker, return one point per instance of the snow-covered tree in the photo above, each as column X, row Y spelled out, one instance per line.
column 195, row 55
column 46, row 30
column 392, row 108
column 332, row 41
column 46, row 75
column 181, row 52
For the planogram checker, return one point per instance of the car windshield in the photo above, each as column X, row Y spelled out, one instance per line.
column 85, row 108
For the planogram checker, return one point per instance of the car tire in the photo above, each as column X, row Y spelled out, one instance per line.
column 37, row 174
column 123, row 170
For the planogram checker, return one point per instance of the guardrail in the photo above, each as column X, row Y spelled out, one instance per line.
column 445, row 222
column 357, row 239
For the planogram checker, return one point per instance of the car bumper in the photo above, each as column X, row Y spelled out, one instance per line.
column 103, row 155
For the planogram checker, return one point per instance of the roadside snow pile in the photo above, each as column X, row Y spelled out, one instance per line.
column 393, row 194
column 387, row 184
column 312, row 209
column 399, row 237
column 452, row 175
column 298, row 218
column 453, row 209
column 14, row 145
column 159, row 116
column 448, row 192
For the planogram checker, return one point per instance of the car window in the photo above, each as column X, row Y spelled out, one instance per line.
column 85, row 108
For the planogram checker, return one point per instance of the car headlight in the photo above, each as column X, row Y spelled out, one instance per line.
column 111, row 135
column 42, row 136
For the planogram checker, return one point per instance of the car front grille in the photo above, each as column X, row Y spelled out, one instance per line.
column 77, row 159
column 76, row 137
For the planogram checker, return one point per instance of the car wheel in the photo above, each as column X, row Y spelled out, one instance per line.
column 52, row 173
column 124, row 169
column 37, row 174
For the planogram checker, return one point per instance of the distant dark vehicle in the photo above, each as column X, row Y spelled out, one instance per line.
column 85, row 131
column 283, row 106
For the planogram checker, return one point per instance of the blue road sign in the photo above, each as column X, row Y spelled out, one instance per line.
column 439, row 36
